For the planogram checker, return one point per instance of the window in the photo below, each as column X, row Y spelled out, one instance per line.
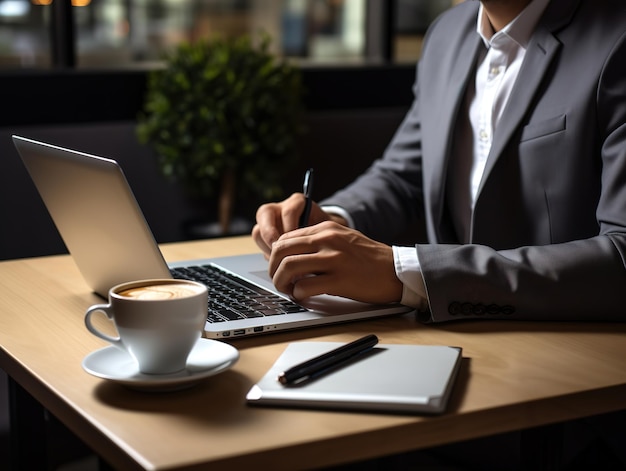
column 24, row 34
column 123, row 33
column 411, row 20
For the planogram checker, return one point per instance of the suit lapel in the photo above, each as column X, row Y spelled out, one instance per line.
column 539, row 55
column 458, row 79
column 540, row 52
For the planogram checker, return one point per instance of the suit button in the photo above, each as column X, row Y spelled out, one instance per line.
column 508, row 310
column 493, row 309
column 466, row 309
column 479, row 309
column 454, row 309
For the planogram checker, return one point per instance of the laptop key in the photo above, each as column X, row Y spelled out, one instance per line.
column 271, row 312
column 293, row 309
column 232, row 298
column 212, row 317
column 228, row 314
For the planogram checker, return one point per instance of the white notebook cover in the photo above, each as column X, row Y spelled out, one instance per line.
column 392, row 378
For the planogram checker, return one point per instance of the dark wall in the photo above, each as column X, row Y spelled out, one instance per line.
column 350, row 120
column 27, row 227
column 81, row 96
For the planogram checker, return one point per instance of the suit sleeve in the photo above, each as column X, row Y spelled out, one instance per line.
column 387, row 198
column 582, row 279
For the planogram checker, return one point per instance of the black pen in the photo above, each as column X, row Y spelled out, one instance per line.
column 316, row 366
column 307, row 189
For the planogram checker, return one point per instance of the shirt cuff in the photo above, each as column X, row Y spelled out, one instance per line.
column 339, row 211
column 409, row 272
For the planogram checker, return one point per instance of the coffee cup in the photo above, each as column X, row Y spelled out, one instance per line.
column 158, row 321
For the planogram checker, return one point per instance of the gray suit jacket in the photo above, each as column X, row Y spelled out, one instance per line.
column 548, row 232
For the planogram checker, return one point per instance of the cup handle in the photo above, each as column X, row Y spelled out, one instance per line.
column 106, row 309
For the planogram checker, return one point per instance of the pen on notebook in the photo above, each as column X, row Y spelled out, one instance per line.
column 307, row 189
column 318, row 365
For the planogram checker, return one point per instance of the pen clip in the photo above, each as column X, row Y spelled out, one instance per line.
column 307, row 186
column 307, row 189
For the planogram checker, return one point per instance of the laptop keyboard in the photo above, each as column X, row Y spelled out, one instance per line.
column 233, row 298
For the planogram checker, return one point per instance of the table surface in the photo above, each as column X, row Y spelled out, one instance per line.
column 514, row 375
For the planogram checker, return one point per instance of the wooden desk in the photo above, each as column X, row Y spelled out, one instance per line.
column 515, row 375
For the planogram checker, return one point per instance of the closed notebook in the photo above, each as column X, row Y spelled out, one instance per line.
column 392, row 378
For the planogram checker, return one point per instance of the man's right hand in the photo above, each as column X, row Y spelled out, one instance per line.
column 276, row 219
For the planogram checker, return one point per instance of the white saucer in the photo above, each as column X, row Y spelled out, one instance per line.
column 208, row 358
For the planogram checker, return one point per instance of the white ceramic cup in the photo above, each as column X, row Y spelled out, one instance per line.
column 158, row 321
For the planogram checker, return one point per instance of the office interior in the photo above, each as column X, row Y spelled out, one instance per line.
column 73, row 73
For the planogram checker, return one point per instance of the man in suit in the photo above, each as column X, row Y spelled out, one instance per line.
column 513, row 154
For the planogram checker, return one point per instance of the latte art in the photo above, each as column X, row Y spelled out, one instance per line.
column 160, row 291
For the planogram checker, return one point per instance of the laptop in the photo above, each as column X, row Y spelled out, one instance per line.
column 101, row 223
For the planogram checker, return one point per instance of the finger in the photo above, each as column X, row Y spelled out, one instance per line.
column 292, row 209
column 327, row 227
column 269, row 225
column 258, row 239
column 292, row 269
column 313, row 285
column 307, row 240
column 291, row 244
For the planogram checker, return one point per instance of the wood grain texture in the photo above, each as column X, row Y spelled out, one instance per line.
column 514, row 375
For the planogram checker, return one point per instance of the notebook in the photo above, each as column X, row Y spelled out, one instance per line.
column 99, row 219
column 387, row 378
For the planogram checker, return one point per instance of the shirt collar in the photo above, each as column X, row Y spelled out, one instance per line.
column 520, row 29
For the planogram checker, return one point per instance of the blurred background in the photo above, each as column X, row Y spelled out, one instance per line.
column 73, row 73
column 127, row 33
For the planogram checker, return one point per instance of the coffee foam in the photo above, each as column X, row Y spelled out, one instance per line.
column 160, row 291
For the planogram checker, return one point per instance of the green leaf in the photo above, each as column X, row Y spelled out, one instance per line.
column 224, row 103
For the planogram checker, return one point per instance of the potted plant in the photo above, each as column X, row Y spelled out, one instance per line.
column 223, row 116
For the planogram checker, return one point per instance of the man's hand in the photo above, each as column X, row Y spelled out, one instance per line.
column 275, row 219
column 329, row 258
